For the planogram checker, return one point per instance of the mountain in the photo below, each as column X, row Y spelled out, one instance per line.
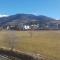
column 29, row 19
column 18, row 18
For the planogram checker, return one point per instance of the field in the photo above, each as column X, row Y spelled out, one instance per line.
column 45, row 43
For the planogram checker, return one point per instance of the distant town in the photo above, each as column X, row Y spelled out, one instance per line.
column 29, row 22
column 51, row 26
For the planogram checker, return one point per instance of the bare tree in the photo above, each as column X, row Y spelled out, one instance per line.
column 12, row 39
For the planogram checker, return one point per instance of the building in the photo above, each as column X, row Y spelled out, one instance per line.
column 27, row 27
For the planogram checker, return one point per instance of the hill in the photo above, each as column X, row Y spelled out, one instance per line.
column 29, row 19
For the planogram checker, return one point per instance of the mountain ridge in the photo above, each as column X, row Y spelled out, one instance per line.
column 30, row 19
column 24, row 17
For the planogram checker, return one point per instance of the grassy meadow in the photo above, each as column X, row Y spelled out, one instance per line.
column 46, row 43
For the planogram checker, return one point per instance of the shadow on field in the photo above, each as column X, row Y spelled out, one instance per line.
column 16, row 54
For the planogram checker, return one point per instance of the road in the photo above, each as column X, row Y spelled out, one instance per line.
column 5, row 57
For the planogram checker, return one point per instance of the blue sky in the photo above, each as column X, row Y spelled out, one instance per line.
column 49, row 8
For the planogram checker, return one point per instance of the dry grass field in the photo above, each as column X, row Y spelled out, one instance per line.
column 46, row 43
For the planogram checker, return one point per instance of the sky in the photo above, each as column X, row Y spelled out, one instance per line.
column 50, row 8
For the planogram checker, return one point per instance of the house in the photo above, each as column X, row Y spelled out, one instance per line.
column 53, row 26
column 12, row 27
column 27, row 27
column 35, row 26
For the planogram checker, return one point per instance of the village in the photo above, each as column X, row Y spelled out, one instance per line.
column 35, row 26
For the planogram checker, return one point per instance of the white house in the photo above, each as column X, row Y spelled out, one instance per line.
column 27, row 27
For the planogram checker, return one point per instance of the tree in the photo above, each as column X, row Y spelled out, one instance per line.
column 11, row 39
